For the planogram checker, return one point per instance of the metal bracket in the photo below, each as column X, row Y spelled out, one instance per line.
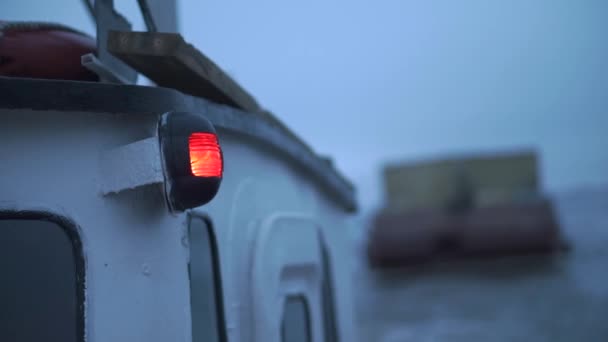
column 104, row 64
column 147, row 15
column 131, row 166
column 105, row 74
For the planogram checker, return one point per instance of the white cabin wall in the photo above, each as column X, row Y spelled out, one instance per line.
column 136, row 272
column 340, row 247
column 136, row 259
column 257, row 185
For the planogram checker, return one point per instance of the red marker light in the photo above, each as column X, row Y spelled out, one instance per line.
column 205, row 155
column 192, row 159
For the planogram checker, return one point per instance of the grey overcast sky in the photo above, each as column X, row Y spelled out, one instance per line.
column 373, row 81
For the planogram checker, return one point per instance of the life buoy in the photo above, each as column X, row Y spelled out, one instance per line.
column 44, row 50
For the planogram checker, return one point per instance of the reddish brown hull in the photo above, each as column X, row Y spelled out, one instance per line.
column 415, row 237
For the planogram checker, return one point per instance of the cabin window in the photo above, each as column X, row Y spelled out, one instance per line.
column 41, row 291
column 205, row 283
column 296, row 320
column 329, row 312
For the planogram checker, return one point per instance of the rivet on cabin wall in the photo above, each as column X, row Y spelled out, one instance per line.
column 145, row 269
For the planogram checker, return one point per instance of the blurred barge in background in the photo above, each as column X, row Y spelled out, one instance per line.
column 466, row 207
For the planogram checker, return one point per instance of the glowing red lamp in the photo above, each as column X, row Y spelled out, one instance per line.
column 193, row 160
column 205, row 155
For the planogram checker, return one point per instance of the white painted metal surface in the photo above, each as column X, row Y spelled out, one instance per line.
column 267, row 218
column 130, row 166
column 286, row 262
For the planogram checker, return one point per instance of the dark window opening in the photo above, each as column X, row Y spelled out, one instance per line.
column 205, row 283
column 329, row 312
column 41, row 287
column 296, row 320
